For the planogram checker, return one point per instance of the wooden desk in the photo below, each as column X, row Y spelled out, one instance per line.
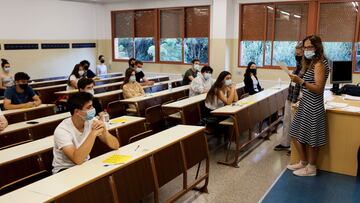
column 109, row 80
column 106, row 97
column 247, row 112
column 179, row 140
column 97, row 89
column 115, row 74
column 19, row 115
column 339, row 155
column 48, row 83
column 23, row 195
column 22, row 132
column 143, row 102
column 190, row 108
column 15, row 161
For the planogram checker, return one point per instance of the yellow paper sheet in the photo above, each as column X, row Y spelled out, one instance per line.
column 117, row 159
column 245, row 102
column 118, row 120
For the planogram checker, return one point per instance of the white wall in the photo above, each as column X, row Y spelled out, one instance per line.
column 47, row 20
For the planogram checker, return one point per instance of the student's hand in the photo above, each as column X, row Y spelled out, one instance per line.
column 296, row 79
column 97, row 127
column 29, row 105
column 3, row 125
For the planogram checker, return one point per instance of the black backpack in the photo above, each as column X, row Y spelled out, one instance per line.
column 353, row 90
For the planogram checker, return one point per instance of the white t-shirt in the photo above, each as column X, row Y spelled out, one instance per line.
column 67, row 134
column 255, row 83
column 72, row 77
column 101, row 69
column 199, row 85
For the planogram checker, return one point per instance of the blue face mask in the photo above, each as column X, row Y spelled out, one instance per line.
column 207, row 76
column 90, row 114
column 309, row 54
column 132, row 78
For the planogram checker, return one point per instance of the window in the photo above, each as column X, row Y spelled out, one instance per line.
column 176, row 35
column 171, row 35
column 252, row 44
column 337, row 29
column 197, row 26
column 123, row 39
column 290, row 27
column 357, row 55
column 134, row 35
column 270, row 32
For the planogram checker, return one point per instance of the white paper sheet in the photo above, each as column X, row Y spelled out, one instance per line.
column 284, row 67
column 354, row 98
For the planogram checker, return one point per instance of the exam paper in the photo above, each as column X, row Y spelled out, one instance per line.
column 284, row 67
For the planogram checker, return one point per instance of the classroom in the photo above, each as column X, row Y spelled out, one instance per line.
column 180, row 101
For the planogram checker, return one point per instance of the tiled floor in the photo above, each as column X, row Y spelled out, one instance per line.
column 256, row 173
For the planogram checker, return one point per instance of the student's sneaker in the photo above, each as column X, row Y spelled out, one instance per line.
column 297, row 166
column 280, row 147
column 307, row 171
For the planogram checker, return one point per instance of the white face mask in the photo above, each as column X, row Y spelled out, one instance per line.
column 138, row 70
column 197, row 67
column 132, row 78
column 90, row 91
column 7, row 69
column 309, row 54
column 228, row 82
column 81, row 72
column 207, row 76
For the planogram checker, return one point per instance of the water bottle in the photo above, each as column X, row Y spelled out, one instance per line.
column 279, row 82
column 106, row 119
column 170, row 86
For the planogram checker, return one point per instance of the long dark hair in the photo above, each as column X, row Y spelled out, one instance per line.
column 319, row 51
column 219, row 83
column 4, row 62
column 75, row 72
column 248, row 70
column 128, row 74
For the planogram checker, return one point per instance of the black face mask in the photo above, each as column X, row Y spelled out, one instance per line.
column 23, row 86
column 102, row 61
column 253, row 71
column 298, row 58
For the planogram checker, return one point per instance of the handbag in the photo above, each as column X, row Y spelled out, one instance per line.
column 353, row 90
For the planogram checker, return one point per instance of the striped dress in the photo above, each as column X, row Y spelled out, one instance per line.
column 309, row 124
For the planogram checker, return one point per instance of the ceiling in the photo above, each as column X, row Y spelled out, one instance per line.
column 98, row 1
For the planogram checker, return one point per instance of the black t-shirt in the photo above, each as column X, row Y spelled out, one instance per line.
column 97, row 105
column 139, row 76
column 90, row 74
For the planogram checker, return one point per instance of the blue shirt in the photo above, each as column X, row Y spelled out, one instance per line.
column 19, row 98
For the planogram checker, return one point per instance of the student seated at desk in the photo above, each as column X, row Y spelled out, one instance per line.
column 202, row 83
column 252, row 85
column 3, row 121
column 131, row 63
column 6, row 78
column 21, row 95
column 101, row 69
column 74, row 137
column 131, row 88
column 88, row 72
column 77, row 73
column 191, row 73
column 222, row 93
column 140, row 76
column 87, row 85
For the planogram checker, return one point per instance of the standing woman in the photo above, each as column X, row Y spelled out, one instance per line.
column 309, row 125
column 77, row 73
column 252, row 85
column 6, row 78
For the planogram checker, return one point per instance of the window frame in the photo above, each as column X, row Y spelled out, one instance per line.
column 157, row 34
column 312, row 27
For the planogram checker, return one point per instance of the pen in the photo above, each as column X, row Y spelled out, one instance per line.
column 137, row 147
